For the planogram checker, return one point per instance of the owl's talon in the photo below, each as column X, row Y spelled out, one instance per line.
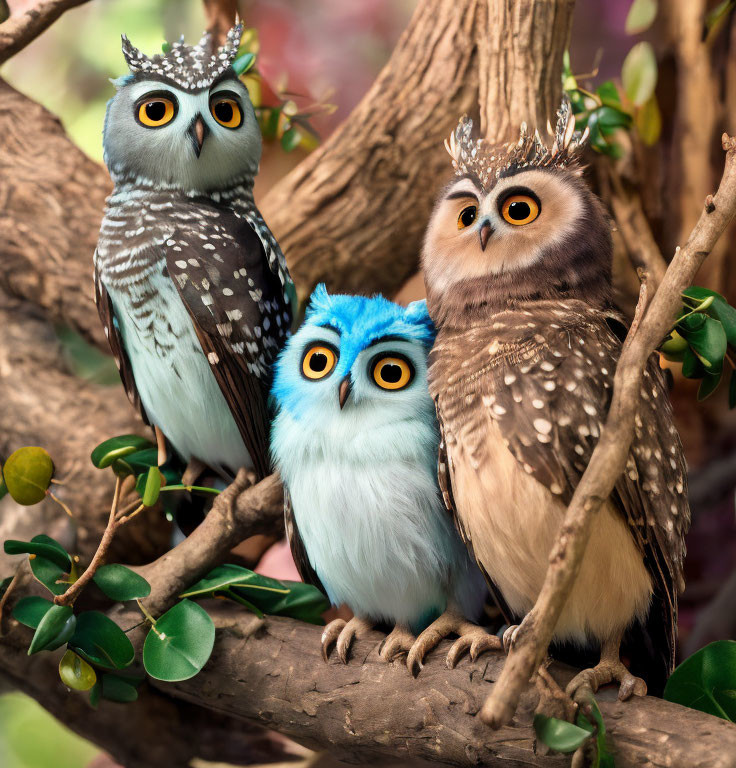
column 330, row 633
column 399, row 641
column 346, row 632
column 509, row 638
column 608, row 669
column 448, row 623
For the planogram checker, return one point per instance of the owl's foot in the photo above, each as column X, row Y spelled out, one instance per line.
column 450, row 622
column 344, row 633
column 399, row 641
column 608, row 669
column 509, row 637
column 161, row 446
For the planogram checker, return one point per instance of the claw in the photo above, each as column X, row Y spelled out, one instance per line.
column 399, row 641
column 471, row 636
column 329, row 635
column 509, row 638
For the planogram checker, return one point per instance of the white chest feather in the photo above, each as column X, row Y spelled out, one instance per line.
column 177, row 387
column 370, row 517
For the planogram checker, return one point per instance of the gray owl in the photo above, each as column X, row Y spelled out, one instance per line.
column 517, row 264
column 191, row 286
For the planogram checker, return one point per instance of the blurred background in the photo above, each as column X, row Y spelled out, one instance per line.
column 324, row 54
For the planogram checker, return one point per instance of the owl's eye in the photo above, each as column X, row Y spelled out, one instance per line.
column 392, row 371
column 226, row 110
column 467, row 216
column 156, row 111
column 318, row 361
column 520, row 209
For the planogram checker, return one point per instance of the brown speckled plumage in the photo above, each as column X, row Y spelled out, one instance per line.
column 522, row 373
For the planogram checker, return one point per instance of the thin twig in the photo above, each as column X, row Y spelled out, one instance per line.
column 609, row 457
column 112, row 525
column 7, row 593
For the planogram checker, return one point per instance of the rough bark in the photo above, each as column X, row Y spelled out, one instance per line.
column 364, row 197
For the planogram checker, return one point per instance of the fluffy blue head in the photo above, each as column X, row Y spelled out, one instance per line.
column 355, row 351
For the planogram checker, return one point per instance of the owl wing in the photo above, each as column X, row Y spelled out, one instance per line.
column 298, row 551
column 241, row 316
column 112, row 332
column 444, row 476
column 550, row 398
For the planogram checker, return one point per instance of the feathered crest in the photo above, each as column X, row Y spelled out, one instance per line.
column 490, row 161
column 189, row 66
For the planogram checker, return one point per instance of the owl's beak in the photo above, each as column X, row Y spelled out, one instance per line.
column 197, row 132
column 344, row 391
column 485, row 231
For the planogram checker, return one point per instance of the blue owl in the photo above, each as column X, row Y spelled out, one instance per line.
column 355, row 440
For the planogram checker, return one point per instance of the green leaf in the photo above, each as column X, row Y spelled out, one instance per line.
column 715, row 20
column 75, row 673
column 54, row 629
column 180, row 643
column 30, row 610
column 117, row 447
column 115, row 688
column 640, row 17
column 303, row 602
column 610, row 119
column 120, row 583
column 100, row 641
column 42, row 546
column 719, row 309
column 559, row 735
column 28, row 472
column 692, row 368
column 152, row 487
column 227, row 575
column 4, row 11
column 291, row 139
column 708, row 385
column 674, row 347
column 243, row 63
column 648, row 121
column 86, row 361
column 3, row 487
column 94, row 694
column 608, row 93
column 709, row 343
column 732, row 390
column 639, row 73
column 707, row 681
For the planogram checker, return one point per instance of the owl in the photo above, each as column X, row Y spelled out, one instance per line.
column 355, row 441
column 191, row 286
column 517, row 264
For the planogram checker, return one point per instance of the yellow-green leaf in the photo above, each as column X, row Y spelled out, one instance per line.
column 639, row 73
column 641, row 15
column 648, row 121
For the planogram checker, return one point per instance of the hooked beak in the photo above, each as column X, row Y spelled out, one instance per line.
column 344, row 391
column 197, row 132
column 486, row 230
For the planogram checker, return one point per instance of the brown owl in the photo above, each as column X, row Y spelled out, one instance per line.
column 517, row 264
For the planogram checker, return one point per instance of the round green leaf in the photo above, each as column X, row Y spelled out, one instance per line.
column 559, row 735
column 707, row 681
column 303, row 602
column 291, row 139
column 710, row 344
column 120, row 583
column 610, row 119
column 54, row 629
column 28, row 472
column 94, row 695
column 708, row 385
column 180, row 644
column 692, row 368
column 42, row 546
column 100, row 641
column 75, row 673
column 640, row 17
column 114, row 688
column 30, row 610
column 719, row 309
column 639, row 73
column 116, row 448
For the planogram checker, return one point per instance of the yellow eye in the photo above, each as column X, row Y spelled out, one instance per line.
column 392, row 372
column 520, row 209
column 318, row 362
column 156, row 111
column 466, row 217
column 227, row 112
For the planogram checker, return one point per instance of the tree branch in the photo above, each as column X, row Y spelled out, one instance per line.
column 609, row 457
column 18, row 31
